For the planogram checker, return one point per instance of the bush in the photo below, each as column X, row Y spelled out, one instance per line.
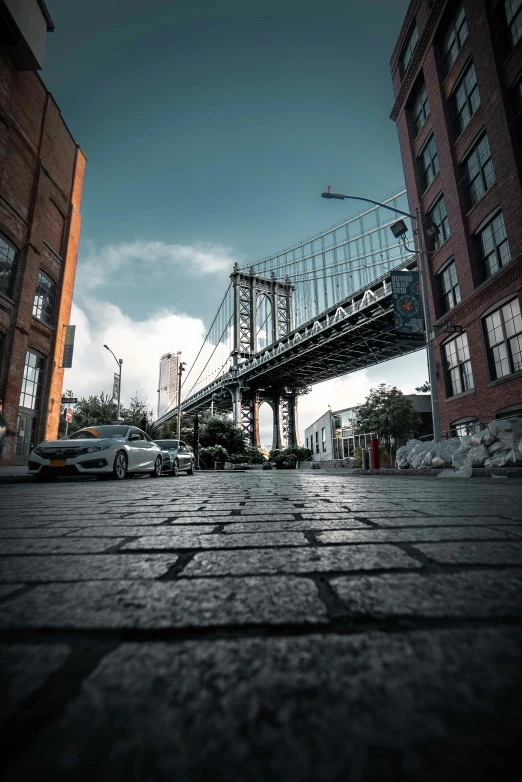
column 357, row 458
column 214, row 453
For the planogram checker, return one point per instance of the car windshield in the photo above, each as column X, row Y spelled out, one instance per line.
column 167, row 443
column 96, row 432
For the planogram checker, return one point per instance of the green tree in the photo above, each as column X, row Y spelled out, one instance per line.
column 387, row 412
column 93, row 411
column 221, row 430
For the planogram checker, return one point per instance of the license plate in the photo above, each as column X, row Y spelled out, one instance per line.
column 57, row 463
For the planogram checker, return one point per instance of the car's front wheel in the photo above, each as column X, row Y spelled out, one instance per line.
column 175, row 468
column 190, row 470
column 156, row 472
column 121, row 465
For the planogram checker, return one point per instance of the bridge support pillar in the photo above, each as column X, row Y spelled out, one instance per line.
column 250, row 419
column 289, row 419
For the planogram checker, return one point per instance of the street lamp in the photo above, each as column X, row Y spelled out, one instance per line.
column 181, row 369
column 399, row 230
column 119, row 363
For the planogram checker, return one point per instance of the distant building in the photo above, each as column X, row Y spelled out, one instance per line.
column 168, row 383
column 457, row 78
column 332, row 435
column 41, row 181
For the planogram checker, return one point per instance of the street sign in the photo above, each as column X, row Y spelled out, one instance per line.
column 407, row 306
column 448, row 328
column 69, row 400
column 68, row 415
column 68, row 347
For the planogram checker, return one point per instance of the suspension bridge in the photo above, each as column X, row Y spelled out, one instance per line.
column 318, row 310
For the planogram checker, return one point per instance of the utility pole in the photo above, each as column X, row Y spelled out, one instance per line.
column 181, row 369
column 119, row 363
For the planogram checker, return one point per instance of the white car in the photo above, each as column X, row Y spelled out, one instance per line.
column 103, row 451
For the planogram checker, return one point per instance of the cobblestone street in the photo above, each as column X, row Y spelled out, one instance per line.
column 262, row 626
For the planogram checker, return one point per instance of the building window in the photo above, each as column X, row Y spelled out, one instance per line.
column 438, row 217
column 459, row 376
column 478, row 171
column 454, row 39
column 8, row 259
column 32, row 381
column 448, row 284
column 504, row 340
column 465, row 99
column 493, row 246
column 408, row 49
column 317, row 442
column 420, row 110
column 323, row 433
column 514, row 19
column 428, row 163
column 44, row 297
column 465, row 426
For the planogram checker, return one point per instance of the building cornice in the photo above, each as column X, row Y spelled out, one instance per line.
column 417, row 58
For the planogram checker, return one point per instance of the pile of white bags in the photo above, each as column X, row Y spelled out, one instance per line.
column 500, row 445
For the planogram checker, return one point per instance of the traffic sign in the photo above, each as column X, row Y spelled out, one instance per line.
column 68, row 415
column 448, row 328
column 68, row 400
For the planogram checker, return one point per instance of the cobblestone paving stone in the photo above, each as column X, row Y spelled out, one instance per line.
column 261, row 626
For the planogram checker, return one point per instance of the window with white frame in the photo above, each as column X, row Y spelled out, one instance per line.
column 464, row 426
column 477, row 168
column 323, row 434
column 43, row 305
column 454, row 39
column 503, row 332
column 420, row 110
column 513, row 9
column 465, row 98
column 493, row 246
column 437, row 216
column 428, row 163
column 32, row 380
column 459, row 375
column 448, row 285
column 408, row 49
column 317, row 442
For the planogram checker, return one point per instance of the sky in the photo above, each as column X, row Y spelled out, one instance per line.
column 210, row 130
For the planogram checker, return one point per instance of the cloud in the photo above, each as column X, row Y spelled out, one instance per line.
column 139, row 343
column 133, row 263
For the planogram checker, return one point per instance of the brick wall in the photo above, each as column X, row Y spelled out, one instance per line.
column 41, row 180
column 496, row 70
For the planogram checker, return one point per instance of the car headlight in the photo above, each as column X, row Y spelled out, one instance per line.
column 94, row 448
column 39, row 451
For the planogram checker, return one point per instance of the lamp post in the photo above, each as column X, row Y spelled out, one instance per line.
column 119, row 363
column 181, row 369
column 399, row 230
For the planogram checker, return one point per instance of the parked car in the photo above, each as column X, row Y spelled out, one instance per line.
column 3, row 433
column 176, row 456
column 103, row 451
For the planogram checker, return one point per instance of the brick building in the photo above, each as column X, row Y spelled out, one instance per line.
column 41, row 179
column 457, row 76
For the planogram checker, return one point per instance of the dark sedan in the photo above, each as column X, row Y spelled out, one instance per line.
column 177, row 456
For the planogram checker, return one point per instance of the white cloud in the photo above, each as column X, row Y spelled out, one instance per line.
column 139, row 261
column 139, row 343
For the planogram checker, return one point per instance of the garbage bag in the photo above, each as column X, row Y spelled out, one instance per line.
column 416, row 460
column 502, row 459
column 438, row 462
column 485, row 437
column 426, row 462
column 477, row 455
column 464, row 471
column 497, row 447
column 508, row 431
column 446, row 448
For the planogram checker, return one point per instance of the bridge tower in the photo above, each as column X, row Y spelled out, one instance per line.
column 262, row 316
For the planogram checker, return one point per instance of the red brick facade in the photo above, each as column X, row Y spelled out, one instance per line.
column 41, row 179
column 498, row 67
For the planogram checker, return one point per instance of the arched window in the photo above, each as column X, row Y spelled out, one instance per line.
column 8, row 261
column 263, row 322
